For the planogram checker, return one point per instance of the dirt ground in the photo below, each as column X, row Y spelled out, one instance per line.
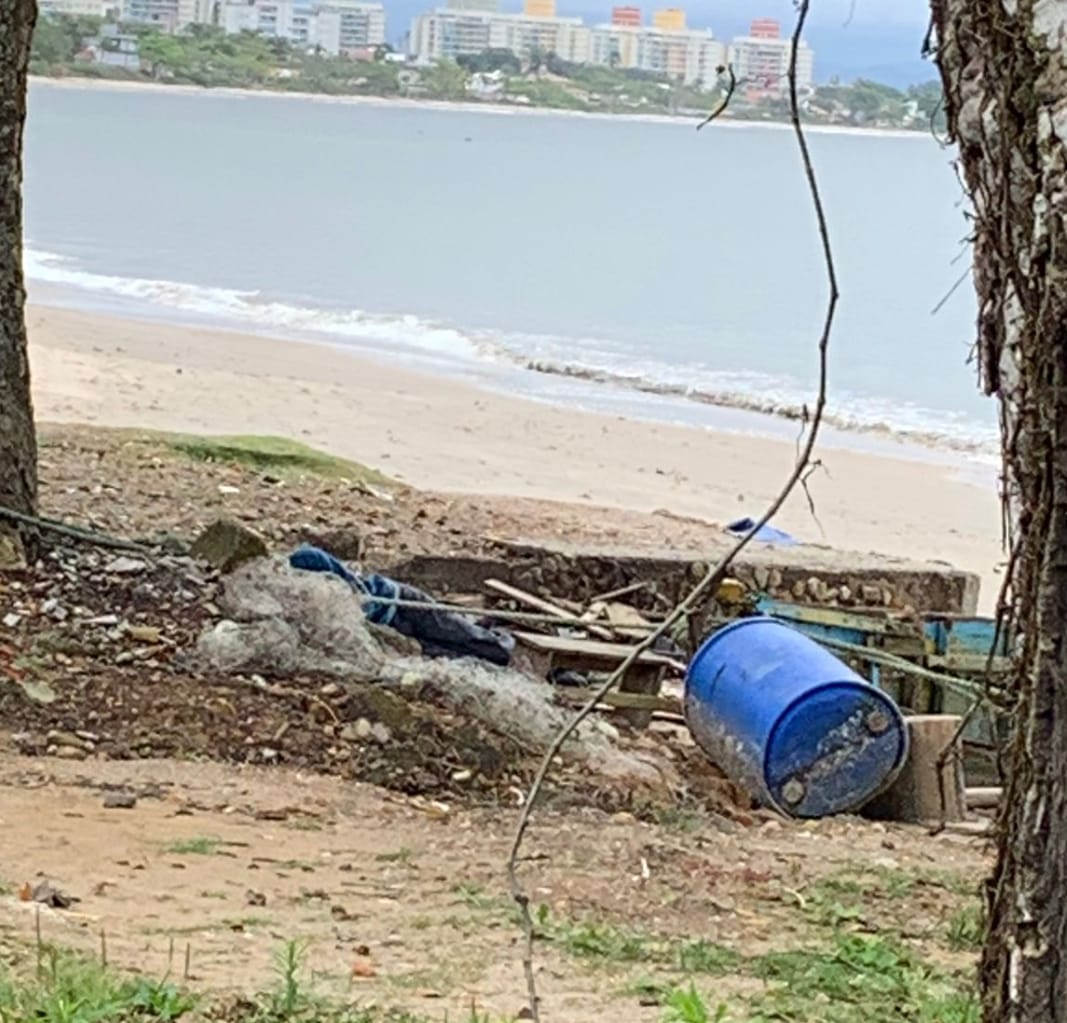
column 259, row 820
column 227, row 864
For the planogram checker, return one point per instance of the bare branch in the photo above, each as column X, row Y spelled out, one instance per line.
column 714, row 576
column 725, row 101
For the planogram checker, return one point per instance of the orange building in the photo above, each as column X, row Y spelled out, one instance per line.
column 628, row 16
column 671, row 19
column 539, row 8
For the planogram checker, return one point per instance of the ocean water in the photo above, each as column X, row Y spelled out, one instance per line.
column 630, row 266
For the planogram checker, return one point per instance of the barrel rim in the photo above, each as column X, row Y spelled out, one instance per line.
column 901, row 731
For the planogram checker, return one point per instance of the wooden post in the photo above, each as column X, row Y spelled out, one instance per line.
column 915, row 796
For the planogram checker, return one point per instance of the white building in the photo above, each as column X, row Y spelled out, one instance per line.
column 75, row 8
column 168, row 15
column 692, row 56
column 450, row 33
column 761, row 60
column 334, row 27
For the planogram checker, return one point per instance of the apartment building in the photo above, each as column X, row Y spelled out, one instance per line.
column 335, row 27
column 761, row 60
column 450, row 33
column 665, row 47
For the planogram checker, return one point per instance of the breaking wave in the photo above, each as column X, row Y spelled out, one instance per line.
column 599, row 365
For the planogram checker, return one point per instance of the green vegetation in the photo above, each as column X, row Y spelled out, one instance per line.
column 203, row 55
column 857, row 978
column 275, row 454
column 202, row 846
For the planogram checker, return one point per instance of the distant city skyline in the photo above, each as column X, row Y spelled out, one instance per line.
column 879, row 39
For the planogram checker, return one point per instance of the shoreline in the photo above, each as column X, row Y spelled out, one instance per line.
column 444, row 434
column 456, row 106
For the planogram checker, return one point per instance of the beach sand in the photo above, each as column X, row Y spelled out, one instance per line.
column 440, row 434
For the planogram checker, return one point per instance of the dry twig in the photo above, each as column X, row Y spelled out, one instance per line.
column 731, row 85
column 715, row 574
column 89, row 536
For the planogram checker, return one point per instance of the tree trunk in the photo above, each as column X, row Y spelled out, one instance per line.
column 1004, row 67
column 18, row 445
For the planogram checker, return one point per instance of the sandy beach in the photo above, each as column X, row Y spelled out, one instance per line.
column 436, row 433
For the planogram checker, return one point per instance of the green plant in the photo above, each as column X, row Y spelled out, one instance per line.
column 856, row 979
column 686, row 1005
column 202, row 846
column 288, row 962
column 966, row 929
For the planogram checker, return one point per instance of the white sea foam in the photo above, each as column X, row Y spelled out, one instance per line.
column 595, row 363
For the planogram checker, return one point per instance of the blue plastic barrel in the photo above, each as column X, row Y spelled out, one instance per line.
column 789, row 721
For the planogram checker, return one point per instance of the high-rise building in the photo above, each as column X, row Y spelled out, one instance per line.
column 447, row 34
column 489, row 6
column 539, row 8
column 670, row 19
column 629, row 16
column 761, row 60
column 334, row 26
column 96, row 8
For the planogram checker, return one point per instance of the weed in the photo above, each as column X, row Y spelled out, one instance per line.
column 685, row 1005
column 402, row 855
column 966, row 929
column 67, row 988
column 288, row 962
column 856, row 979
column 701, row 956
column 202, row 846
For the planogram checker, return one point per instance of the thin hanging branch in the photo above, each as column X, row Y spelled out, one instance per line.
column 714, row 576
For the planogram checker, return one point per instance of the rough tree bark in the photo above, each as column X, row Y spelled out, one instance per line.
column 18, row 446
column 1004, row 67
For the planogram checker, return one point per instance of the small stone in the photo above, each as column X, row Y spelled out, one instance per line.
column 870, row 594
column 461, row 776
column 814, row 588
column 254, row 898
column 12, row 553
column 380, row 732
column 798, row 589
column 11, row 620
column 227, row 544
column 844, row 595
column 226, row 490
column 144, row 633
column 124, row 657
column 762, row 578
column 68, row 752
column 119, row 800
column 106, row 621
column 125, row 566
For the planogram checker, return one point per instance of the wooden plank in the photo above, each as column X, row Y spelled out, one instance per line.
column 875, row 623
column 984, row 798
column 606, row 653
column 625, row 701
column 531, row 600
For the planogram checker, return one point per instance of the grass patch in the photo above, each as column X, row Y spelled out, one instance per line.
column 966, row 929
column 606, row 943
column 402, row 855
column 276, row 454
column 856, row 979
column 201, row 846
column 66, row 988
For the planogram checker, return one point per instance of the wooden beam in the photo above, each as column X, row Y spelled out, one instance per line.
column 531, row 600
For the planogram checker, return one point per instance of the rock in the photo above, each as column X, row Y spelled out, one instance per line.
column 762, row 578
column 125, row 566
column 226, row 545
column 845, row 595
column 12, row 553
column 871, row 594
column 814, row 588
column 347, row 544
column 799, row 589
column 144, row 633
column 380, row 733
column 225, row 489
column 11, row 620
column 68, row 752
column 119, row 800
